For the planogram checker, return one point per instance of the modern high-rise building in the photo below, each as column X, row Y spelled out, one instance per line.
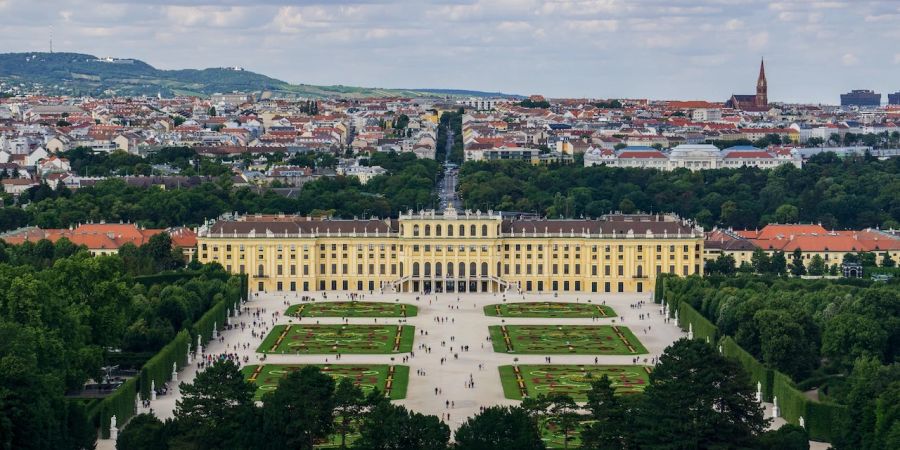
column 861, row 97
column 454, row 252
column 894, row 99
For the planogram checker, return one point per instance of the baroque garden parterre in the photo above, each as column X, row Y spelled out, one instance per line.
column 565, row 339
column 344, row 339
column 549, row 310
column 352, row 309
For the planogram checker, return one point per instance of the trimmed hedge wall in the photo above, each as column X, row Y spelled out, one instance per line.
column 120, row 404
column 659, row 288
column 758, row 372
column 821, row 419
column 824, row 418
column 702, row 327
column 159, row 367
column 214, row 316
column 791, row 401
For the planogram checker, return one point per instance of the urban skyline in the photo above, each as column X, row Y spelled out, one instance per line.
column 602, row 49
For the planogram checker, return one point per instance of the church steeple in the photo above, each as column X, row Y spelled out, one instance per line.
column 762, row 88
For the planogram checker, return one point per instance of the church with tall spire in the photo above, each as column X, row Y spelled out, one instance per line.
column 758, row 102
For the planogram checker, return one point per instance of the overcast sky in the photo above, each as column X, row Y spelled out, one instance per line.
column 661, row 49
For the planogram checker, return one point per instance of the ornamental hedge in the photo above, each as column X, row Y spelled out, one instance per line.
column 702, row 327
column 758, row 372
column 120, row 403
column 821, row 418
column 159, row 367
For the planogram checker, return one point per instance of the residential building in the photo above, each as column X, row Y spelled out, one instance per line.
column 810, row 239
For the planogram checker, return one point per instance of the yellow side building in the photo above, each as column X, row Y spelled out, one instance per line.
column 453, row 252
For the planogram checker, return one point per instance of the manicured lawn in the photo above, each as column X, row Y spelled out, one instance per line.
column 565, row 339
column 366, row 376
column 345, row 339
column 351, row 309
column 574, row 380
column 549, row 309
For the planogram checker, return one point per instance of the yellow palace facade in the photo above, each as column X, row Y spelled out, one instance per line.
column 453, row 252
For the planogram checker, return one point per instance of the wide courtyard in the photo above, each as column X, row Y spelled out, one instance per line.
column 443, row 352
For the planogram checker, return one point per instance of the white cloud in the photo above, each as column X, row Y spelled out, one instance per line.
column 734, row 24
column 849, row 59
column 758, row 41
column 592, row 26
column 191, row 16
column 288, row 19
column 896, row 58
column 517, row 26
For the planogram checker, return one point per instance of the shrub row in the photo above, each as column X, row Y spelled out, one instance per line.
column 120, row 404
column 159, row 367
column 821, row 419
column 215, row 316
column 702, row 327
column 758, row 372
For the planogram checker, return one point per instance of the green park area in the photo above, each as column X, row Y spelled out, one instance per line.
column 391, row 380
column 572, row 380
column 568, row 339
column 549, row 310
column 351, row 309
column 345, row 339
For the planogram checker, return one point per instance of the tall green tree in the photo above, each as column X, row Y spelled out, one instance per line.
column 797, row 266
column 563, row 413
column 608, row 429
column 300, row 411
column 349, row 403
column 760, row 261
column 387, row 426
column 143, row 432
column 817, row 266
column 215, row 409
column 698, row 399
column 499, row 428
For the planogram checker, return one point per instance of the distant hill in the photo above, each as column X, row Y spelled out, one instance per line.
column 81, row 74
column 467, row 93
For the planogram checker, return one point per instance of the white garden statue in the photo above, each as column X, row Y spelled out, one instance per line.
column 113, row 429
column 152, row 390
column 174, row 372
column 775, row 410
column 759, row 391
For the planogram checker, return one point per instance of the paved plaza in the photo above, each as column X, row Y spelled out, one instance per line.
column 451, row 321
column 445, row 323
